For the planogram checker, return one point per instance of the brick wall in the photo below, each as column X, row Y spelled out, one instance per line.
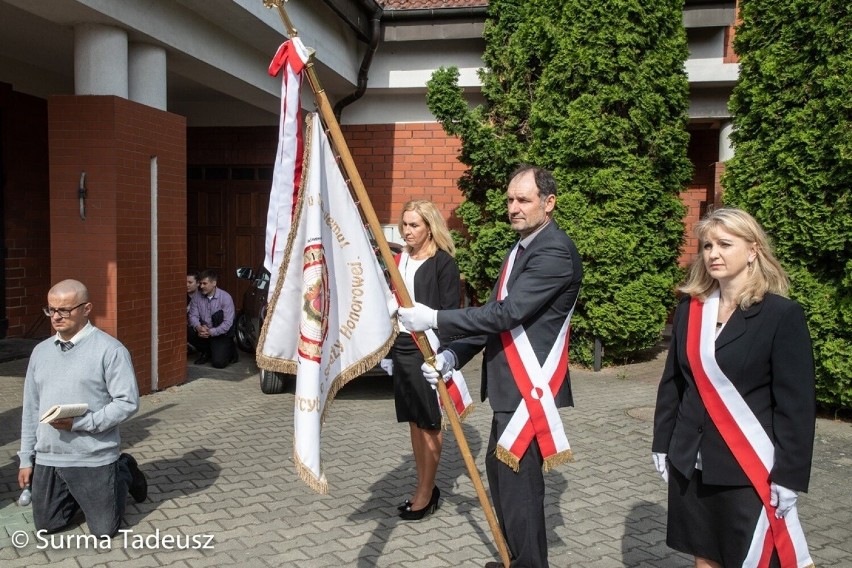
column 400, row 162
column 408, row 161
column 703, row 152
column 730, row 55
column 25, row 210
column 397, row 162
column 113, row 141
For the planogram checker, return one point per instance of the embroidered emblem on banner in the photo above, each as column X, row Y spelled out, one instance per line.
column 313, row 326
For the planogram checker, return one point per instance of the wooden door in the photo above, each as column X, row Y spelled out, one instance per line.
column 226, row 225
column 248, row 202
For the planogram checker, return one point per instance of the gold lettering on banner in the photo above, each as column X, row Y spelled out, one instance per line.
column 356, row 306
column 336, row 350
column 307, row 404
column 335, row 228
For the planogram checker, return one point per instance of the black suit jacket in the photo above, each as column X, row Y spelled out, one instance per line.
column 437, row 283
column 766, row 353
column 543, row 287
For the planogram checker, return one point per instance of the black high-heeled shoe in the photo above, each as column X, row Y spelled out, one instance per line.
column 406, row 505
column 412, row 515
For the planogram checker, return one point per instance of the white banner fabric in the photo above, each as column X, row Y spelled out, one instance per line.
column 287, row 169
column 332, row 285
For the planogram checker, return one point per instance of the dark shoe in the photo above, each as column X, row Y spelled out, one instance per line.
column 406, row 505
column 203, row 359
column 235, row 358
column 138, row 485
column 494, row 565
column 410, row 514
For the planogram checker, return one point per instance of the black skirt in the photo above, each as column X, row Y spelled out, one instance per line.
column 715, row 522
column 415, row 399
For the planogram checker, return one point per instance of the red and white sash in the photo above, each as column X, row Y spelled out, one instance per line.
column 537, row 415
column 746, row 438
column 456, row 385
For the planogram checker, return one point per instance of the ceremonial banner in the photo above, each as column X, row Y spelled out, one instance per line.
column 333, row 294
column 287, row 172
column 278, row 346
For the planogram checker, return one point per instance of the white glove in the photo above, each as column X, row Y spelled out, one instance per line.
column 418, row 318
column 387, row 365
column 445, row 364
column 782, row 499
column 662, row 465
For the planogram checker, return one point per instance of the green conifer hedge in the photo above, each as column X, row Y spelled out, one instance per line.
column 597, row 93
column 792, row 167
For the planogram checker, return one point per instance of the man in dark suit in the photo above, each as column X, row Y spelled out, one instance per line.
column 523, row 329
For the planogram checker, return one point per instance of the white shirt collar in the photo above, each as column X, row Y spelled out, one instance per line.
column 525, row 242
column 80, row 335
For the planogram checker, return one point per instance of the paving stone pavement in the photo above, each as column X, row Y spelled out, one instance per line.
column 217, row 453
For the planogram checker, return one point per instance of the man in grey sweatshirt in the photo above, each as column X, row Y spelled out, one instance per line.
column 78, row 464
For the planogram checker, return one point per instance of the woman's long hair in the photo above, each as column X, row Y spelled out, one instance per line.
column 765, row 274
column 439, row 234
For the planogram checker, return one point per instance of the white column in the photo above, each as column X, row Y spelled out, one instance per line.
column 100, row 60
column 726, row 151
column 155, row 278
column 147, row 75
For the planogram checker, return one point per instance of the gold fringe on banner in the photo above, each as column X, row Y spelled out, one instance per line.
column 262, row 360
column 318, row 485
column 356, row 371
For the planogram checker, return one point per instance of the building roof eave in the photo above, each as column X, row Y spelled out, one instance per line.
column 421, row 14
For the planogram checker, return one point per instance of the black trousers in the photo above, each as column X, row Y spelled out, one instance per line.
column 100, row 492
column 220, row 348
column 518, row 499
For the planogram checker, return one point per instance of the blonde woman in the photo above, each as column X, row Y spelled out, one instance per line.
column 735, row 416
column 431, row 277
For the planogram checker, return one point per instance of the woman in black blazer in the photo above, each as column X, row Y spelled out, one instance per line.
column 432, row 278
column 735, row 416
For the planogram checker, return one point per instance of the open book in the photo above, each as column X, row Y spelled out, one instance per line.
column 63, row 411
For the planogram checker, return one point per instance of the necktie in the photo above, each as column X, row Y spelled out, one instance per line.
column 520, row 252
column 66, row 345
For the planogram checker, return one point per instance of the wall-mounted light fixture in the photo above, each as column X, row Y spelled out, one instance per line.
column 81, row 194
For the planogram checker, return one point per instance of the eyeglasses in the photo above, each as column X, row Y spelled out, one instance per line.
column 63, row 312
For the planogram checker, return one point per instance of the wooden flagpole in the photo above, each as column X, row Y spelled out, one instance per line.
column 327, row 114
